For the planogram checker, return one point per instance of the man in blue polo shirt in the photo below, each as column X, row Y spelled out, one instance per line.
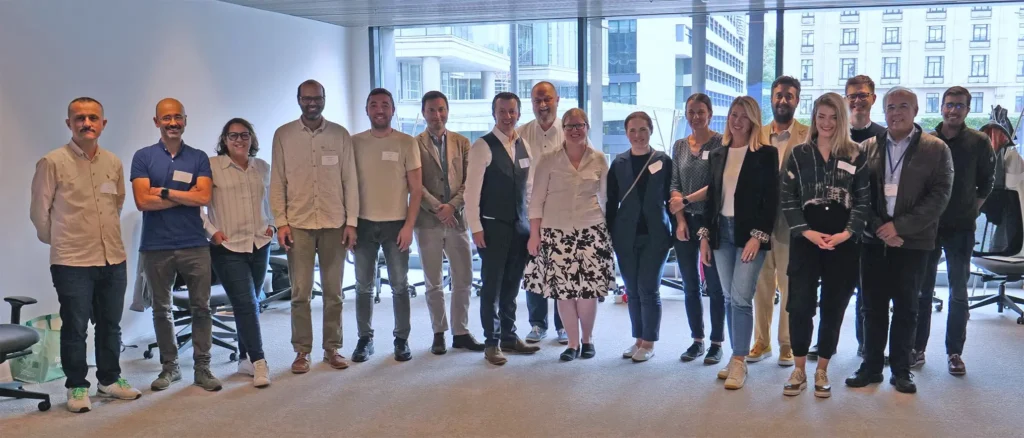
column 171, row 181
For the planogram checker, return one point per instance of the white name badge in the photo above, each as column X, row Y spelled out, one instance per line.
column 389, row 156
column 329, row 160
column 849, row 168
column 108, row 188
column 524, row 163
column 891, row 189
column 654, row 168
column 182, row 177
column 705, row 155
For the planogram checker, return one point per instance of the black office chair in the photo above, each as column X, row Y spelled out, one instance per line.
column 16, row 341
column 1004, row 260
column 182, row 316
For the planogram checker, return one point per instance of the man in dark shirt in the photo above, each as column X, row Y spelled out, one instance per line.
column 973, row 175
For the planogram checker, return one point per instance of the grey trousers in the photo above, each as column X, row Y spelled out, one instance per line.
column 307, row 245
column 371, row 237
column 161, row 269
column 434, row 243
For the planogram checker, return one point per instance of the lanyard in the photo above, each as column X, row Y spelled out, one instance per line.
column 892, row 169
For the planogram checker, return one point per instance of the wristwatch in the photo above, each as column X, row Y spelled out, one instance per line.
column 686, row 201
column 164, row 193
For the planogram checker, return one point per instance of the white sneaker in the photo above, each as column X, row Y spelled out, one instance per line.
column 643, row 355
column 246, row 367
column 120, row 390
column 630, row 351
column 737, row 374
column 261, row 374
column 78, row 400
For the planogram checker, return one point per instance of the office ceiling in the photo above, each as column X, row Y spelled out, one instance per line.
column 418, row 12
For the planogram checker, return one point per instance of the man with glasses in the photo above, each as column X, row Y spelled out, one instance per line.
column 441, row 227
column 497, row 182
column 314, row 196
column 784, row 132
column 542, row 135
column 911, row 179
column 973, row 176
column 390, row 181
column 171, row 181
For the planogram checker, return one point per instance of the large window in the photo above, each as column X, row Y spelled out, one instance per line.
column 937, row 34
column 807, row 38
column 980, row 32
column 892, row 35
column 978, row 103
column 621, row 46
column 891, row 68
column 412, row 81
column 806, row 70
column 932, row 103
column 848, row 68
column 979, row 66
column 1020, row 65
column 849, row 36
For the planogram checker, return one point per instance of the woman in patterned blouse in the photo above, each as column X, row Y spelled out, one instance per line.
column 691, row 173
column 825, row 199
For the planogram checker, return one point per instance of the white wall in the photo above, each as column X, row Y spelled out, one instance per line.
column 220, row 60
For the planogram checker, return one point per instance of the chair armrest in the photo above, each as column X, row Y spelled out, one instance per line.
column 16, row 304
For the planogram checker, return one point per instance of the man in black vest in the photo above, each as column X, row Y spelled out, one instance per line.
column 497, row 182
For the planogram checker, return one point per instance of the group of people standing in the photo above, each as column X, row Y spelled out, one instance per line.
column 843, row 203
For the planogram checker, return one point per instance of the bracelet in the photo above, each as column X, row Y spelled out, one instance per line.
column 761, row 236
column 703, row 233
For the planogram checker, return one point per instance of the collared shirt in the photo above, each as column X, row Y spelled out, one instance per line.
column 808, row 179
column 441, row 143
column 894, row 159
column 568, row 198
column 239, row 206
column 690, row 172
column 542, row 142
column 313, row 179
column 479, row 159
column 783, row 140
column 181, row 226
column 76, row 206
column 383, row 165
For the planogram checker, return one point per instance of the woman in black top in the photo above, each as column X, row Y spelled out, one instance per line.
column 825, row 199
column 637, row 213
column 743, row 198
column 691, row 173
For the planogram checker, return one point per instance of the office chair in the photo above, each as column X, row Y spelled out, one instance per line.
column 16, row 341
column 1004, row 262
column 181, row 314
column 281, row 283
column 380, row 280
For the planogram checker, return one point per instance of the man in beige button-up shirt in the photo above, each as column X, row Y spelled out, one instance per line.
column 314, row 196
column 77, row 195
column 785, row 133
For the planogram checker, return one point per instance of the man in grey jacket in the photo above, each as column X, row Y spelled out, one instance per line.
column 911, row 180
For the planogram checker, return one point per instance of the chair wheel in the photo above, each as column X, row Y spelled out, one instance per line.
column 376, row 300
column 148, row 354
column 1020, row 320
column 938, row 307
column 44, row 406
column 233, row 357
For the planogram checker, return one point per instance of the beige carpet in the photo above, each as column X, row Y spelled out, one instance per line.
column 458, row 394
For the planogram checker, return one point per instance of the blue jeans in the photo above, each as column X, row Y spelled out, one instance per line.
column 959, row 246
column 537, row 306
column 242, row 276
column 371, row 237
column 642, row 267
column 97, row 293
column 688, row 256
column 739, row 281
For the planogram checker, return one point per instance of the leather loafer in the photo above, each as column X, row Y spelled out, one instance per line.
column 335, row 360
column 363, row 351
column 439, row 347
column 863, row 378
column 402, row 351
column 587, row 351
column 301, row 363
column 468, row 342
column 518, row 346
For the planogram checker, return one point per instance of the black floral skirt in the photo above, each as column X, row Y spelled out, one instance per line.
column 572, row 264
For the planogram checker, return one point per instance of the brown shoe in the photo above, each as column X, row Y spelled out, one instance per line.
column 956, row 365
column 301, row 363
column 336, row 360
column 494, row 356
column 518, row 346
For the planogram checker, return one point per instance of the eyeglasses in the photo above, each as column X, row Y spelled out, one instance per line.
column 574, row 127
column 858, row 96
column 308, row 100
column 955, row 105
column 235, row 136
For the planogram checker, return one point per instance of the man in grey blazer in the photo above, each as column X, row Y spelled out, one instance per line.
column 441, row 227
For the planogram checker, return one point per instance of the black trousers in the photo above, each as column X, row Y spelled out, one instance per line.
column 890, row 275
column 837, row 270
column 502, row 265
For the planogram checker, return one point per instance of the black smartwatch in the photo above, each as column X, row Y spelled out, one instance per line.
column 686, row 201
column 164, row 192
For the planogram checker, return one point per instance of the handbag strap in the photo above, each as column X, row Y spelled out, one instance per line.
column 638, row 175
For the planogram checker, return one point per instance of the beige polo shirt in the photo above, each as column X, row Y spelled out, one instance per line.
column 383, row 164
column 76, row 206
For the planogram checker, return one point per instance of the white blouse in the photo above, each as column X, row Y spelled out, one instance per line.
column 239, row 206
column 565, row 197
